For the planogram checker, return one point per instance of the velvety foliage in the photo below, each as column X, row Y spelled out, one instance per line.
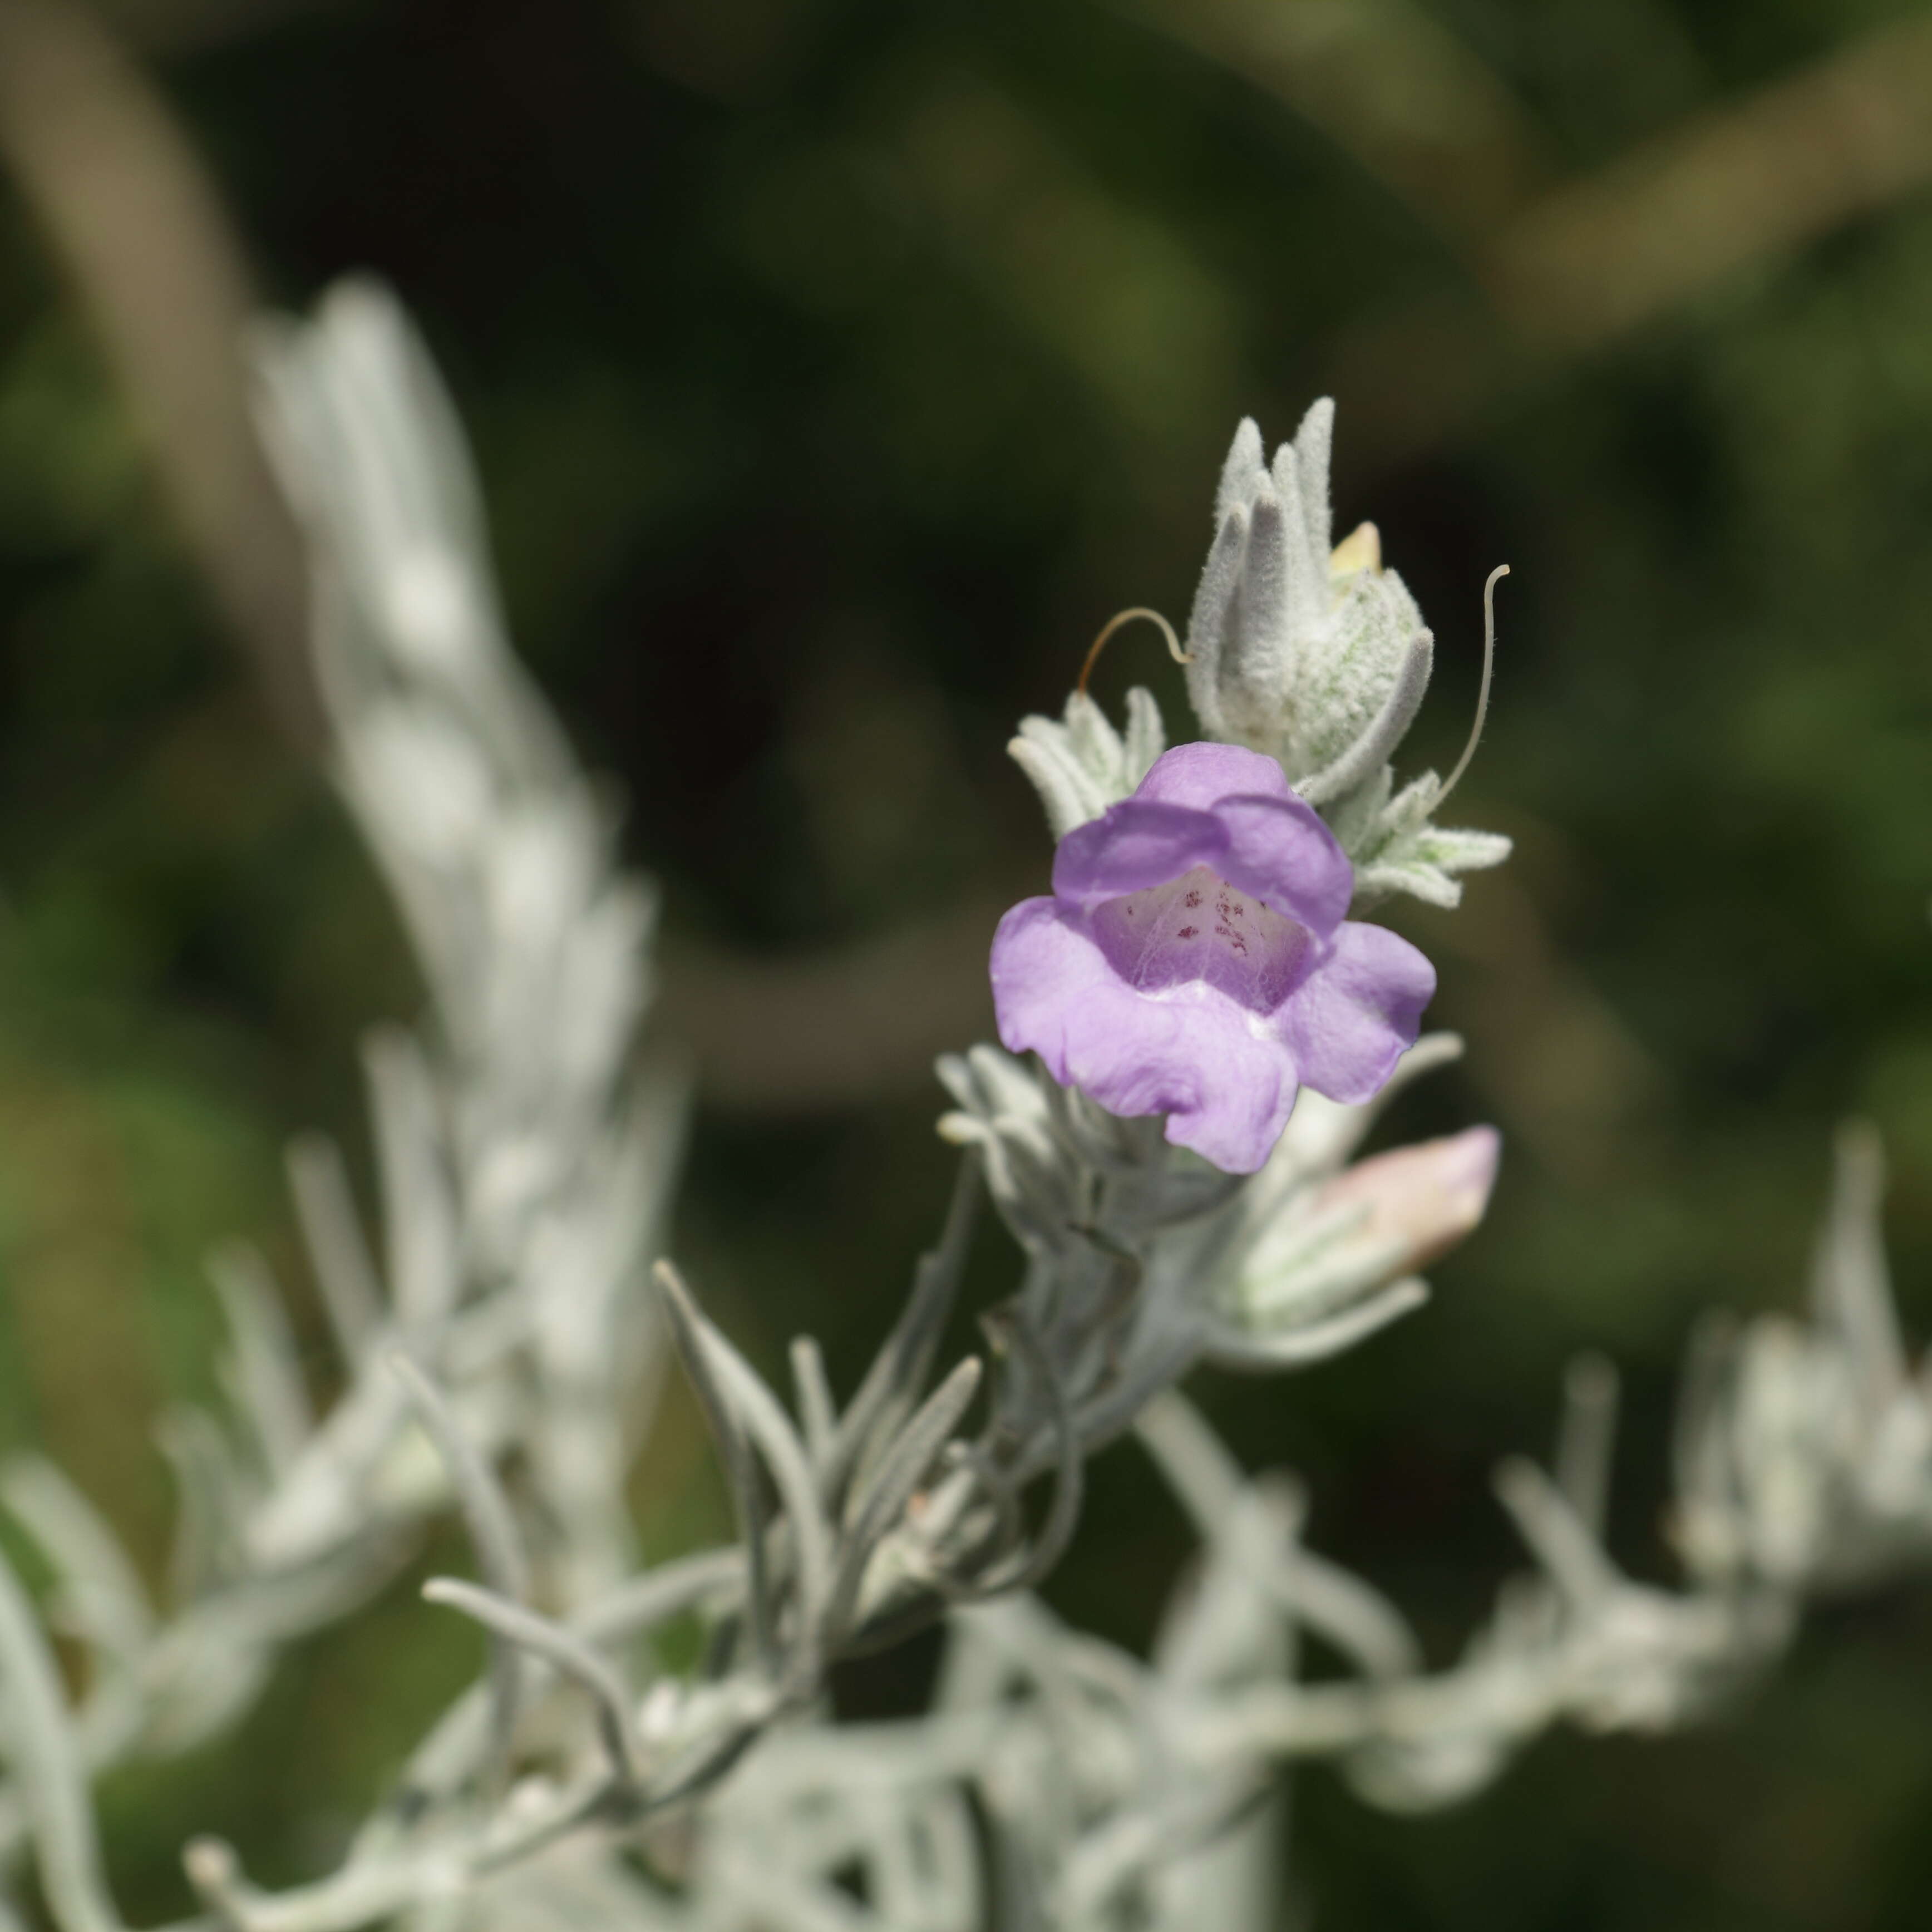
column 837, row 370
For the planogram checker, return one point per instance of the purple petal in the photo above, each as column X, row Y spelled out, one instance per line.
column 1202, row 775
column 1045, row 970
column 1198, row 928
column 1226, row 1088
column 1249, row 1100
column 1279, row 849
column 1358, row 1013
column 1134, row 844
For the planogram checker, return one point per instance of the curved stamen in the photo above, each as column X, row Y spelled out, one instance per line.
column 1116, row 622
column 1483, row 693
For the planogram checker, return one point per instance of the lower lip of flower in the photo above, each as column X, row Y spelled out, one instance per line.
column 1198, row 929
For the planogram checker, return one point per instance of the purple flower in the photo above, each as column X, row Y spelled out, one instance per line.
column 1194, row 961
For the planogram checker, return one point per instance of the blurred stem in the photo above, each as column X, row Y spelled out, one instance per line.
column 1391, row 87
column 1559, row 268
column 49, row 1779
column 1597, row 257
column 130, row 213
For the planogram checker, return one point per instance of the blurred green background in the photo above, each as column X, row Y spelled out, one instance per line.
column 836, row 368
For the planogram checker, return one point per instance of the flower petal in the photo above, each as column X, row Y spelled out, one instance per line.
column 1250, row 1089
column 1045, row 970
column 1226, row 1087
column 1202, row 775
column 1279, row 849
column 1353, row 1017
column 1135, row 844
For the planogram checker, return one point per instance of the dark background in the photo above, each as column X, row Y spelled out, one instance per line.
column 835, row 370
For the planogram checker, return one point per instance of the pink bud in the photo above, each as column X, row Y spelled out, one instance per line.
column 1421, row 1200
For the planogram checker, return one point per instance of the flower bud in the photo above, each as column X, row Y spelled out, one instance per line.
column 1318, row 657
